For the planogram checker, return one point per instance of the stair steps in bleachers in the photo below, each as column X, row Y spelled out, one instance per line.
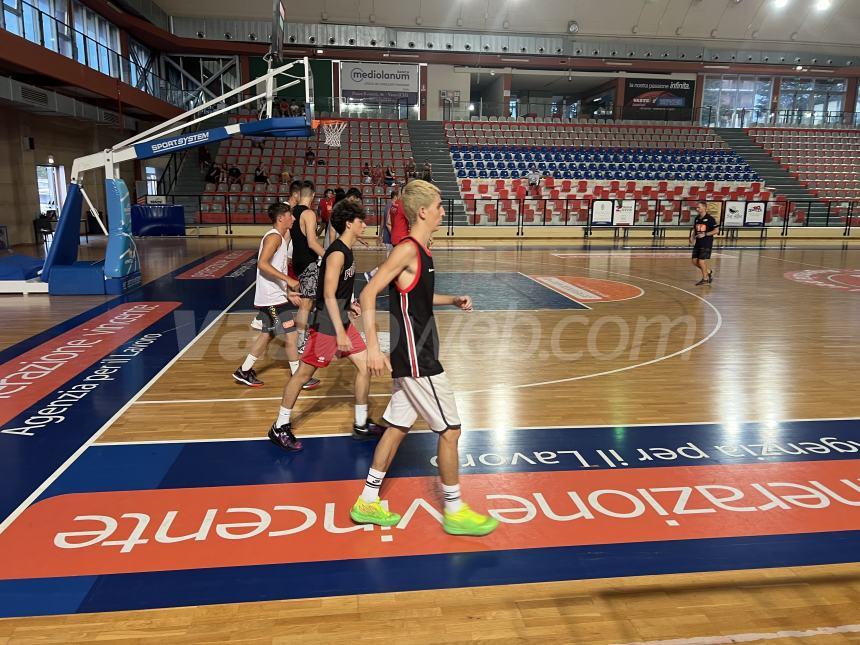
column 428, row 144
column 773, row 174
column 190, row 181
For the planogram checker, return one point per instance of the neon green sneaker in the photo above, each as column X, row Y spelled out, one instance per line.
column 468, row 522
column 372, row 513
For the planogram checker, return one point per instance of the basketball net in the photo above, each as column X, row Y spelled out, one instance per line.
column 332, row 131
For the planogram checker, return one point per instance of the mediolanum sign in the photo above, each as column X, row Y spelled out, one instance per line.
column 362, row 81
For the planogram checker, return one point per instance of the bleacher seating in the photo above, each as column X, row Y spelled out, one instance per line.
column 825, row 161
column 579, row 135
column 567, row 200
column 659, row 167
column 364, row 140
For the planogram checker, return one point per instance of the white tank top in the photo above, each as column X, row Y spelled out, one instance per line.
column 272, row 292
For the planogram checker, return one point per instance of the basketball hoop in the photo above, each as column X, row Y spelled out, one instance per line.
column 332, row 131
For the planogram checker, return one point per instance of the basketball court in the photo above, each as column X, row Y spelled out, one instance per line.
column 661, row 459
column 670, row 463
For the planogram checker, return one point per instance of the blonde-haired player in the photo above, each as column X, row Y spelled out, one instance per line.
column 421, row 386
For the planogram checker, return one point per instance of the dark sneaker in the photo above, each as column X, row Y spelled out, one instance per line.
column 369, row 430
column 701, row 282
column 248, row 378
column 283, row 437
column 312, row 384
column 710, row 277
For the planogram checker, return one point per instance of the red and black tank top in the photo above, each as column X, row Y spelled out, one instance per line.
column 414, row 338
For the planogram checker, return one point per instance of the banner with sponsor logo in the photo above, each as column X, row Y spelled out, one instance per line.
column 217, row 266
column 657, row 98
column 624, row 212
column 378, row 81
column 38, row 373
column 601, row 212
column 734, row 215
column 755, row 214
column 114, row 532
column 613, row 502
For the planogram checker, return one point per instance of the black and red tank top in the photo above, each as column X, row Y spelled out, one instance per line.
column 414, row 338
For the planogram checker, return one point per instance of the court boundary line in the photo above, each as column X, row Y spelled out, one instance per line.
column 625, row 368
column 543, row 427
column 23, row 506
column 754, row 636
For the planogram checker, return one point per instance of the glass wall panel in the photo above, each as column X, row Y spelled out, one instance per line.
column 733, row 101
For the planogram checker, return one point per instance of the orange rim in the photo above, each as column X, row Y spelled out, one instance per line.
column 316, row 123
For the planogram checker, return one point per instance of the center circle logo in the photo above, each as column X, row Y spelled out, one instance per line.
column 357, row 75
column 840, row 279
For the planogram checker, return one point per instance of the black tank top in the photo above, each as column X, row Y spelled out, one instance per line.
column 414, row 338
column 302, row 253
column 343, row 293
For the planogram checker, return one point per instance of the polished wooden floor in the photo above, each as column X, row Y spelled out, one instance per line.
column 752, row 346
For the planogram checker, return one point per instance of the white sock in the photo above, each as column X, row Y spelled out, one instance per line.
column 249, row 362
column 294, row 366
column 283, row 416
column 453, row 503
column 372, row 485
column 360, row 414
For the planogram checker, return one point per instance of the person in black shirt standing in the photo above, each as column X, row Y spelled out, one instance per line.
column 420, row 385
column 702, row 239
column 333, row 335
column 306, row 254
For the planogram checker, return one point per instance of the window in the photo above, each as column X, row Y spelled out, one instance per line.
column 811, row 101
column 43, row 22
column 142, row 68
column 97, row 44
column 732, row 101
column 855, row 120
column 12, row 17
column 151, row 180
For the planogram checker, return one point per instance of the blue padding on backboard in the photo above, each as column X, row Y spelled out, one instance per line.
column 284, row 126
column 121, row 254
column 67, row 237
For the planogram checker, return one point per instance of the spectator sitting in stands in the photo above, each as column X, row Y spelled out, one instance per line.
column 411, row 170
column 286, row 176
column 390, row 177
column 376, row 175
column 427, row 172
column 533, row 177
column 295, row 109
column 366, row 172
column 310, row 156
column 234, row 176
column 214, row 174
column 260, row 176
column 258, row 142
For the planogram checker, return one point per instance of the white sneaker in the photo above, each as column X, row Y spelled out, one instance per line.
column 257, row 324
